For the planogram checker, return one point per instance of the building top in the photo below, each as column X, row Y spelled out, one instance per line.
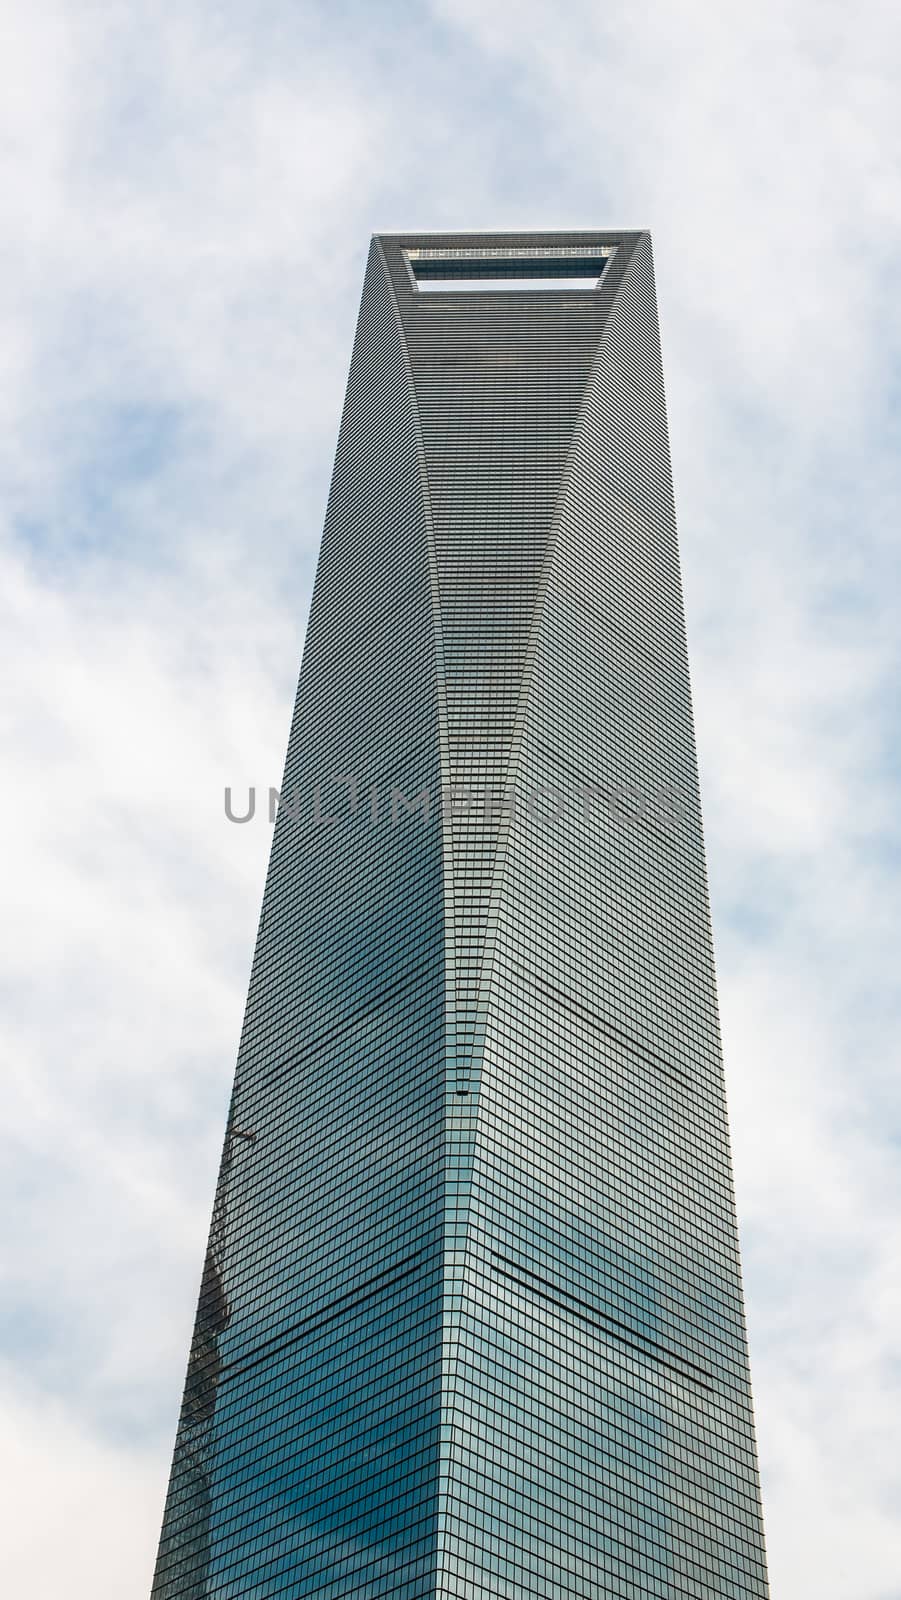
column 507, row 261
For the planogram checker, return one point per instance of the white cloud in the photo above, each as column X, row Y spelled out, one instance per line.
column 187, row 200
column 74, row 1504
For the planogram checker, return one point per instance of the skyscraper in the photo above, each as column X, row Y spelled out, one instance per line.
column 471, row 1322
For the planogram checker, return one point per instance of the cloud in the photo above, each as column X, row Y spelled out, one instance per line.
column 65, row 1489
column 188, row 200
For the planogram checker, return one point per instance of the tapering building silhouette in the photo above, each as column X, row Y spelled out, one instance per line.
column 471, row 1318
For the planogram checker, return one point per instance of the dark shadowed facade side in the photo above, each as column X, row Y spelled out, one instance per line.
column 471, row 1318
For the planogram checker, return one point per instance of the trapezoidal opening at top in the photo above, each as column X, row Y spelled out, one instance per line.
column 529, row 268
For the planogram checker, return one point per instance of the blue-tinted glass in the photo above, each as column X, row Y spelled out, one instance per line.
column 471, row 1316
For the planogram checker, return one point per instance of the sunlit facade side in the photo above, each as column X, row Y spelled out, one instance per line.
column 471, row 1318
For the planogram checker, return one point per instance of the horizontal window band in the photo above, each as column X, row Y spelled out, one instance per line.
column 588, row 264
column 585, row 1312
column 494, row 283
column 625, row 1040
column 582, row 1310
column 316, row 1320
column 578, row 270
column 382, row 998
column 509, row 252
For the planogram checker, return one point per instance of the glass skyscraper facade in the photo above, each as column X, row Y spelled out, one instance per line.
column 470, row 1321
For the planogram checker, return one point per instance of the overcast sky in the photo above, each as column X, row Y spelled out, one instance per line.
column 188, row 190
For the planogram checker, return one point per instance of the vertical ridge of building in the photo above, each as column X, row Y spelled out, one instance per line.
column 494, row 456
column 480, row 367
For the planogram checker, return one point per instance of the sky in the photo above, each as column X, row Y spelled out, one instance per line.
column 187, row 195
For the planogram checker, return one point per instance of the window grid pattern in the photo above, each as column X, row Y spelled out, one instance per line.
column 306, row 1461
column 602, row 1436
column 471, row 1319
